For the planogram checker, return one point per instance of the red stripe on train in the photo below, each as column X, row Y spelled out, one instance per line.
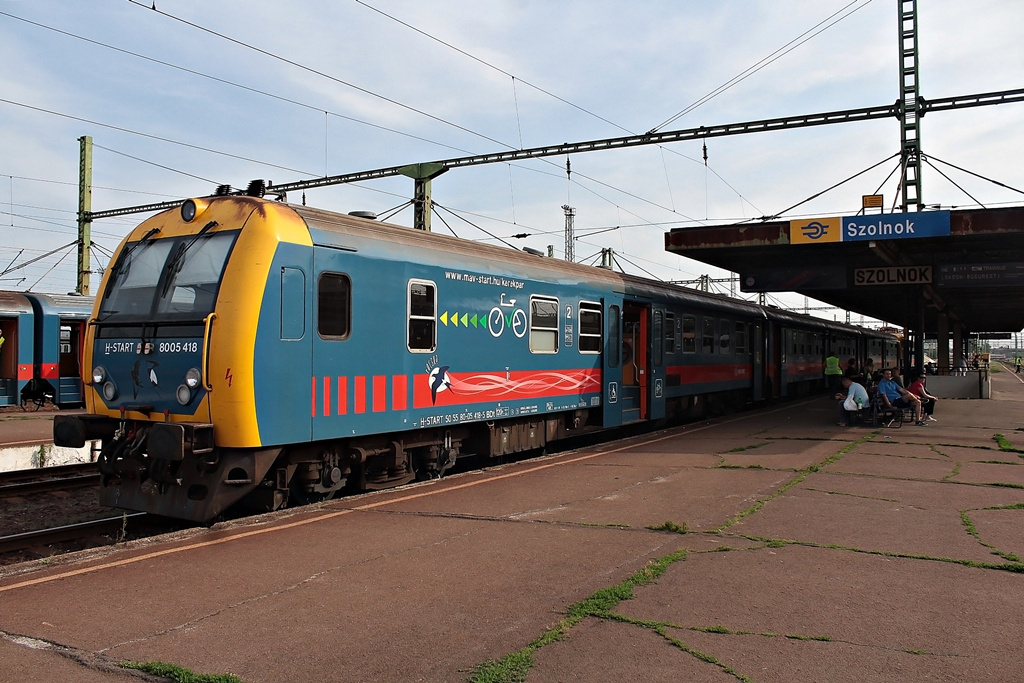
column 699, row 374
column 468, row 388
column 399, row 392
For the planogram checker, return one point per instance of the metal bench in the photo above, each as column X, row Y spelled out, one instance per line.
column 884, row 414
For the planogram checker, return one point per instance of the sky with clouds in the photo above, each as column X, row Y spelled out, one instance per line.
column 194, row 94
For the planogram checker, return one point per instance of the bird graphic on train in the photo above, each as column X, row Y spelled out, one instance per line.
column 439, row 381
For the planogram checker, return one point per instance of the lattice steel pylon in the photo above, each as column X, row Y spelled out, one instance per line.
column 909, row 115
column 570, row 239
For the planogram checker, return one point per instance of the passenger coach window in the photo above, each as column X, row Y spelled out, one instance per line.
column 422, row 316
column 590, row 328
column 725, row 338
column 740, row 338
column 613, row 336
column 689, row 334
column 659, row 345
column 543, row 325
column 670, row 333
column 708, row 342
column 334, row 306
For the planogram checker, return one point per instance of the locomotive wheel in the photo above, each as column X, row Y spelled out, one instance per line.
column 309, row 486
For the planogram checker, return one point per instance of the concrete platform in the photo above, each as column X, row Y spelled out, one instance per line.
column 26, row 440
column 813, row 552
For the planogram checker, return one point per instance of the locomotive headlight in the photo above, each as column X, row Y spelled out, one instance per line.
column 192, row 208
column 99, row 375
column 183, row 394
column 192, row 378
column 109, row 390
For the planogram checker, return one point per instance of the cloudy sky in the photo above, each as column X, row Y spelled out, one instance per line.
column 194, row 94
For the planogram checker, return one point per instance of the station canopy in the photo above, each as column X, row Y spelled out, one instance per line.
column 904, row 268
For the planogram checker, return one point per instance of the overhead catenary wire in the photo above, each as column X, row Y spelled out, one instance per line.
column 964, row 170
column 952, row 182
column 11, row 269
column 531, row 169
column 234, row 84
column 153, row 137
column 829, row 189
column 491, row 66
column 263, row 92
column 387, row 214
column 135, row 2
column 441, row 218
column 59, row 261
column 95, row 187
column 544, row 91
column 153, row 163
column 191, row 71
column 618, row 255
column 777, row 54
column 317, row 72
column 483, row 230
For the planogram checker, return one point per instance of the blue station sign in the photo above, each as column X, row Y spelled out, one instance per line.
column 895, row 226
column 885, row 226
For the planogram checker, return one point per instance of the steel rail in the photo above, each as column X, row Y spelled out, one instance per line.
column 55, row 478
column 69, row 532
column 53, row 484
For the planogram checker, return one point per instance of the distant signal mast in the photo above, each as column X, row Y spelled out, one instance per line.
column 570, row 240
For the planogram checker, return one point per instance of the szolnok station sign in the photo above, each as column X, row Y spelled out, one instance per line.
column 840, row 229
column 885, row 226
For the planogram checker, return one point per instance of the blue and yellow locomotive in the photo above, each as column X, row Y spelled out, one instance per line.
column 255, row 353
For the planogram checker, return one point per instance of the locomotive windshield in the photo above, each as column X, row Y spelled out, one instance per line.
column 173, row 279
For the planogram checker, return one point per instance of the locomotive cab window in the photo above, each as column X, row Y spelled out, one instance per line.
column 173, row 278
column 334, row 306
column 422, row 316
column 543, row 325
column 590, row 328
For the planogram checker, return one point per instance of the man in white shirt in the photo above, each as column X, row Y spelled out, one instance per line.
column 856, row 397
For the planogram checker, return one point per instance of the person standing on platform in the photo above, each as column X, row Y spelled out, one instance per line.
column 833, row 372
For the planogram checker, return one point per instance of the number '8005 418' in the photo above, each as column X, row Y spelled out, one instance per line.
column 177, row 347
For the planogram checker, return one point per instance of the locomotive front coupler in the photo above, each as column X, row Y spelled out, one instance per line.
column 178, row 440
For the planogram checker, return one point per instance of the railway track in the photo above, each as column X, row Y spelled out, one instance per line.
column 45, row 479
column 112, row 526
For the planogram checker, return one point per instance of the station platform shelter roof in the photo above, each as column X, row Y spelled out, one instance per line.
column 904, row 268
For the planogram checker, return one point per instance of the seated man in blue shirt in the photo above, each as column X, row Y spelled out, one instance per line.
column 856, row 393
column 898, row 397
